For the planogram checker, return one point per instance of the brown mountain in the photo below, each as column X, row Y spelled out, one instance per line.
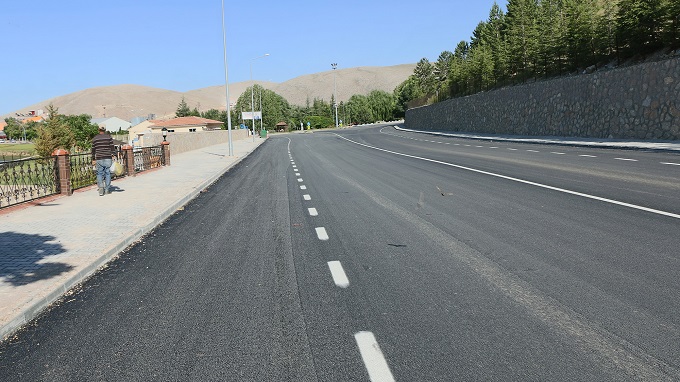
column 128, row 101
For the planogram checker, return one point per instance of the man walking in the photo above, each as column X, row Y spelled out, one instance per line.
column 102, row 154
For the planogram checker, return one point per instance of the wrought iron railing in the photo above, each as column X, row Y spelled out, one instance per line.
column 84, row 173
column 23, row 180
column 147, row 158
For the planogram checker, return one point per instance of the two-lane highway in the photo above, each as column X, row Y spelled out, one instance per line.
column 376, row 254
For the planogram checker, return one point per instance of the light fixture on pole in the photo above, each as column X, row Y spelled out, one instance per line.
column 252, row 92
column 226, row 83
column 165, row 133
column 335, row 94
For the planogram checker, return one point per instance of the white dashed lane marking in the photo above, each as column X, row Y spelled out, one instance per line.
column 321, row 233
column 627, row 159
column 313, row 212
column 670, row 163
column 306, row 197
column 339, row 277
column 375, row 362
column 303, row 187
column 556, row 153
column 299, row 179
column 588, row 156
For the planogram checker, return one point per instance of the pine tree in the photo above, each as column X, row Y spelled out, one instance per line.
column 522, row 37
column 183, row 109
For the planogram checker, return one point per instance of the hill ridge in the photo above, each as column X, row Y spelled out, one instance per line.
column 127, row 101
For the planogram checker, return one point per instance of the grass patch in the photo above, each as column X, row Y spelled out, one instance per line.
column 17, row 149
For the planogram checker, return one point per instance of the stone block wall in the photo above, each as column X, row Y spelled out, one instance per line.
column 635, row 102
column 182, row 142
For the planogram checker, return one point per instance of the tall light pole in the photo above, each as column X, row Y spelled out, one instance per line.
column 226, row 83
column 261, row 110
column 335, row 94
column 252, row 92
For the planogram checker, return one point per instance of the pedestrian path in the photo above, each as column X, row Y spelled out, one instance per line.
column 47, row 248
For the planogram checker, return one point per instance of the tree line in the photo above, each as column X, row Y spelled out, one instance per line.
column 537, row 39
column 376, row 106
column 58, row 131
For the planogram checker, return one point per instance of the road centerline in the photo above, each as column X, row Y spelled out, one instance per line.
column 338, row 273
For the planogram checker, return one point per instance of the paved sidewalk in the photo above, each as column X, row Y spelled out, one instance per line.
column 46, row 249
column 668, row 146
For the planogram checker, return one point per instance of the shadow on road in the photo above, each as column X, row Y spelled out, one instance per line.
column 21, row 255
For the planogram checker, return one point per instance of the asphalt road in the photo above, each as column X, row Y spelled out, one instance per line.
column 373, row 254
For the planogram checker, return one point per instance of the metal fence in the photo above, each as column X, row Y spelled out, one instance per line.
column 84, row 173
column 147, row 158
column 23, row 180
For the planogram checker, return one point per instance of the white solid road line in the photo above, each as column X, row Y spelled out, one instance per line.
column 339, row 277
column 313, row 212
column 581, row 194
column 306, row 197
column 321, row 233
column 375, row 363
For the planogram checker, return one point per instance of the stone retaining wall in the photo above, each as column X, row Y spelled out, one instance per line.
column 635, row 102
column 182, row 142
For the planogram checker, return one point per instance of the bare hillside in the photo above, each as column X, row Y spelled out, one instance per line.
column 128, row 101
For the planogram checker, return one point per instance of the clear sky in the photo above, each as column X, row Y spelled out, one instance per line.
column 51, row 48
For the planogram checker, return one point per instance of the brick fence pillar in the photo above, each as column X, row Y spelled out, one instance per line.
column 63, row 171
column 129, row 160
column 166, row 153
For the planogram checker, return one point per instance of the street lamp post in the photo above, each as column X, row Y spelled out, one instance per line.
column 252, row 92
column 335, row 94
column 261, row 110
column 226, row 84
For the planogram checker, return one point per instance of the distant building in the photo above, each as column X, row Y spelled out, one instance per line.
column 112, row 124
column 175, row 125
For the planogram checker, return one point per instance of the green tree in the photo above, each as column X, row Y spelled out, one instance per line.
column 360, row 109
column 424, row 75
column 493, row 37
column 274, row 107
column 382, row 105
column 14, row 128
column 671, row 23
column 640, row 26
column 183, row 109
column 404, row 93
column 83, row 130
column 54, row 134
column 441, row 69
column 522, row 37
column 213, row 114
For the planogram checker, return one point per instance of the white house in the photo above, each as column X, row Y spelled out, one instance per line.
column 112, row 124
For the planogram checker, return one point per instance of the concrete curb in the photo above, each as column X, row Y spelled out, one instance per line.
column 34, row 310
column 665, row 146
